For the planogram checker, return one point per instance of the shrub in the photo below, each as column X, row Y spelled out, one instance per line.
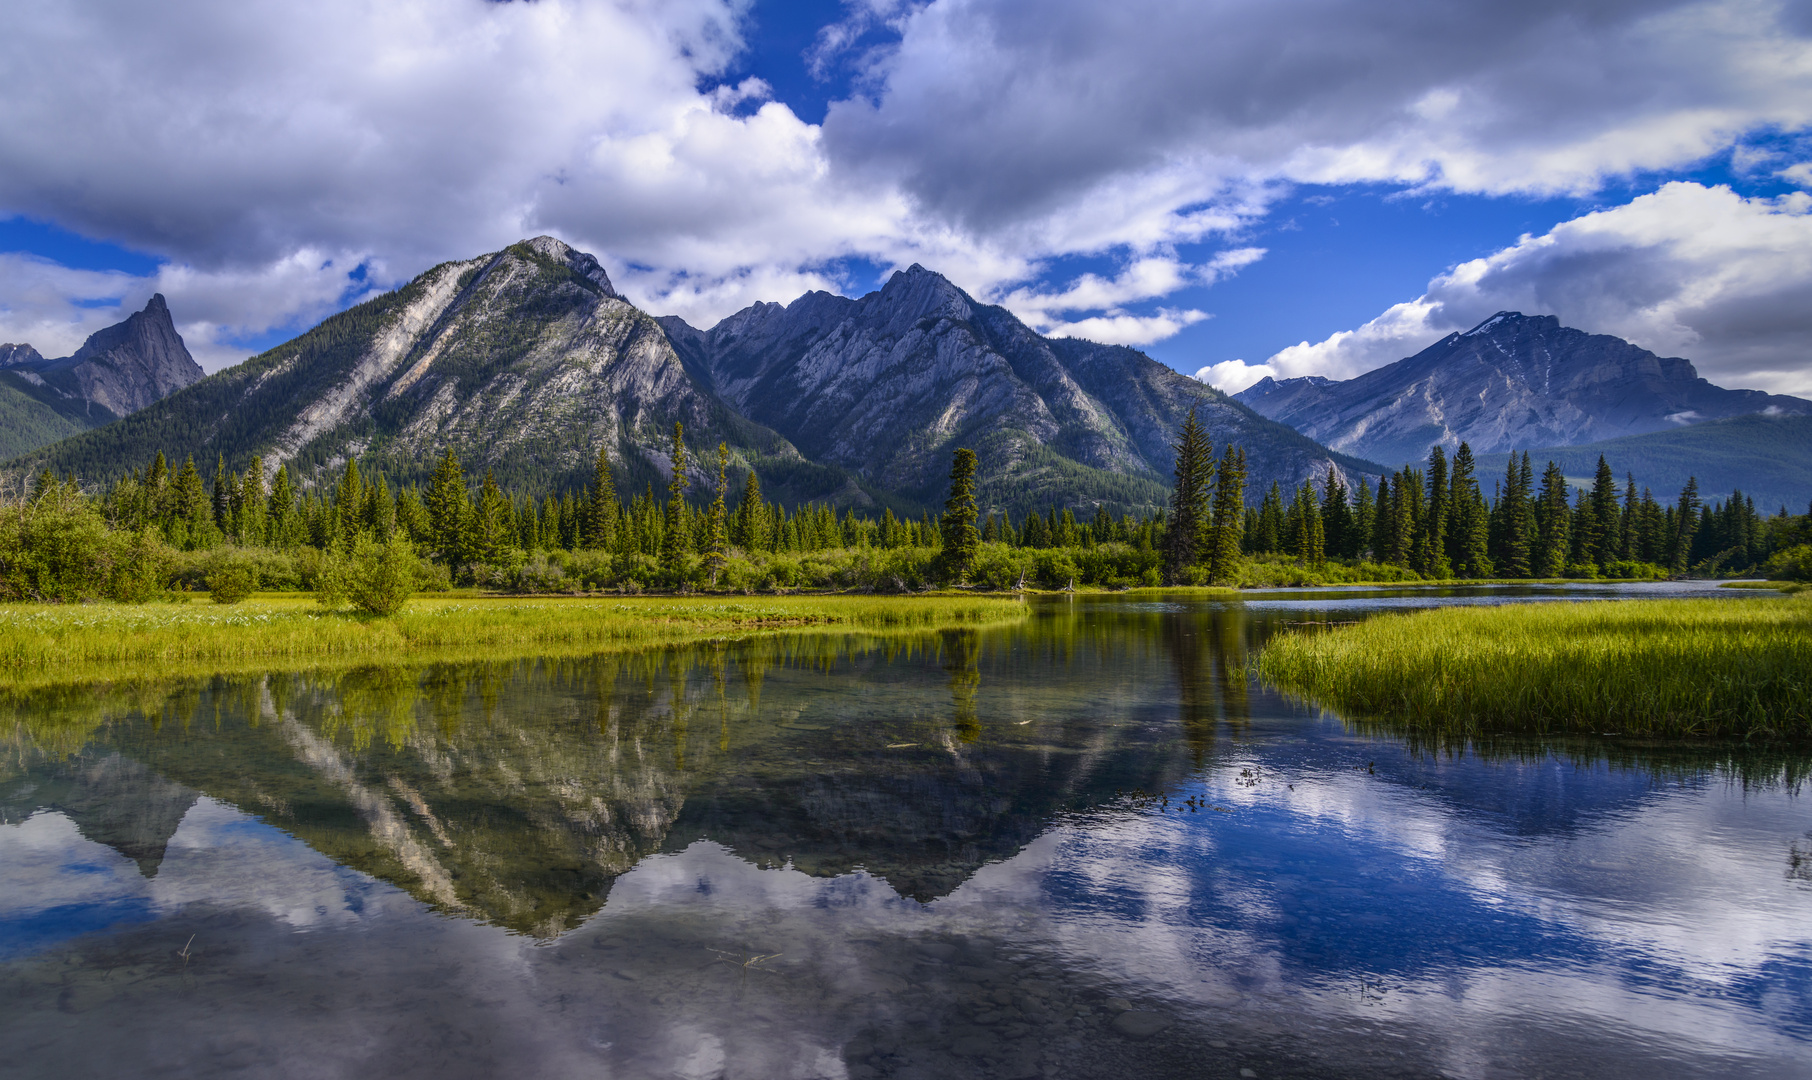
column 1793, row 564
column 231, row 578
column 330, row 575
column 381, row 578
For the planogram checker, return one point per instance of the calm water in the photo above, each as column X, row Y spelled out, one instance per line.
column 1083, row 847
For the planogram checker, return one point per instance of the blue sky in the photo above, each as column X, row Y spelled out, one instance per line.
column 1239, row 188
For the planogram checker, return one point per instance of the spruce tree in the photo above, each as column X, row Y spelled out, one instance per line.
column 1514, row 550
column 601, row 508
column 1194, row 473
column 1229, row 516
column 676, row 538
column 1435, row 563
column 1686, row 525
column 960, row 538
column 751, row 526
column 1469, row 534
column 716, row 523
column 1603, row 541
column 1365, row 515
column 1553, row 520
column 448, row 509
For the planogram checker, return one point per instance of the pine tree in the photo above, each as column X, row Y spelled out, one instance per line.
column 1188, row 500
column 1270, row 531
column 1603, row 541
column 1365, row 515
column 1553, row 521
column 1514, row 550
column 1336, row 513
column 1686, row 525
column 960, row 538
column 1228, row 517
column 716, row 531
column 601, row 508
column 492, row 531
column 751, row 524
column 348, row 500
column 1469, row 534
column 448, row 510
column 676, row 536
column 1435, row 563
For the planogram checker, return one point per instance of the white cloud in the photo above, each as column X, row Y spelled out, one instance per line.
column 239, row 139
column 1688, row 270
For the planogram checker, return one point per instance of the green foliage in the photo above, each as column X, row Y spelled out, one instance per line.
column 1653, row 667
column 960, row 538
column 232, row 577
column 382, row 576
column 332, row 579
column 1793, row 564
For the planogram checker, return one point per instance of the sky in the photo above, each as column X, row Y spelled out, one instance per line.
column 1239, row 187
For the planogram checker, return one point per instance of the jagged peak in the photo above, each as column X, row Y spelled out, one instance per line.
column 157, row 304
column 579, row 262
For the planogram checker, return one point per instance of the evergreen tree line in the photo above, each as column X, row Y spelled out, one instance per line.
column 1434, row 522
column 1437, row 522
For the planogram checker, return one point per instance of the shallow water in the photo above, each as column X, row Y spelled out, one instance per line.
column 1087, row 846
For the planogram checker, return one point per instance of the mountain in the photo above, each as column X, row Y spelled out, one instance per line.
column 117, row 371
column 1767, row 457
column 526, row 361
column 1511, row 382
column 888, row 385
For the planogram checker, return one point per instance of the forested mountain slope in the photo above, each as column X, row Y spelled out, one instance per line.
column 524, row 361
column 889, row 384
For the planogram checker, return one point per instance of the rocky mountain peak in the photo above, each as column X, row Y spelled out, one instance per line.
column 1514, row 381
column 20, row 355
column 579, row 262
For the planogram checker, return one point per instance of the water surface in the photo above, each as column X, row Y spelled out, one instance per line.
column 1088, row 846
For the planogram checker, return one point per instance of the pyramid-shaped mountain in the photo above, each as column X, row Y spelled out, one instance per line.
column 1512, row 382
column 888, row 385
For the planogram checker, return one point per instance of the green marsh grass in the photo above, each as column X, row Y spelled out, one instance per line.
column 1724, row 667
column 44, row 644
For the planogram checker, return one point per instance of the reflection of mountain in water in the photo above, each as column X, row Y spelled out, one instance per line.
column 517, row 793
column 111, row 799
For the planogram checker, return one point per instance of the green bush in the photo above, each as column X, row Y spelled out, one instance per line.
column 382, row 576
column 330, row 576
column 1793, row 564
column 231, row 578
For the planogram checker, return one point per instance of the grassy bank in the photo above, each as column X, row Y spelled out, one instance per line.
column 1676, row 667
column 40, row 643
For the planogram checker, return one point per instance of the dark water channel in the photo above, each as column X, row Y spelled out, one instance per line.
column 1087, row 846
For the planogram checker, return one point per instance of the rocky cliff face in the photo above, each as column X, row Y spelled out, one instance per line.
column 524, row 361
column 117, row 371
column 888, row 385
column 127, row 366
column 1513, row 382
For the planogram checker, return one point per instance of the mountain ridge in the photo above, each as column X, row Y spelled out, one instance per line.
column 526, row 361
column 1512, row 381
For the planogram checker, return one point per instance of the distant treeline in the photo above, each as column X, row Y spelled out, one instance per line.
column 160, row 527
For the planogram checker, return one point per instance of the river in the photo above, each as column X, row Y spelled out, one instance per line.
column 1085, row 846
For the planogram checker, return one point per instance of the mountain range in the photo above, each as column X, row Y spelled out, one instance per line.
column 116, row 372
column 527, row 361
column 1512, row 382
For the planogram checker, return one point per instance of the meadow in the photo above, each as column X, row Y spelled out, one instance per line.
column 42, row 643
column 1725, row 667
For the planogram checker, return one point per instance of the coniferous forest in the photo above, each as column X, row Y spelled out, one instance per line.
column 162, row 529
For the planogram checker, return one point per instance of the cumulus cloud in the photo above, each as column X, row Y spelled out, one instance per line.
column 1689, row 270
column 985, row 138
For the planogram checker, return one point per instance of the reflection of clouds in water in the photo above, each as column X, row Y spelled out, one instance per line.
column 218, row 856
column 46, row 864
column 224, row 857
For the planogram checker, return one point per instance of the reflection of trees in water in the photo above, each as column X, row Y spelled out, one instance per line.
column 1207, row 652
column 961, row 658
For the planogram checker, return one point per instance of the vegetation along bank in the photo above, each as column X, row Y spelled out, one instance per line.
column 1726, row 667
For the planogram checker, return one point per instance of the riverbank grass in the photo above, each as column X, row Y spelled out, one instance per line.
column 1722, row 667
column 40, row 640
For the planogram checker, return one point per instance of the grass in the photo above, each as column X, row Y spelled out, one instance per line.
column 43, row 644
column 1654, row 667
